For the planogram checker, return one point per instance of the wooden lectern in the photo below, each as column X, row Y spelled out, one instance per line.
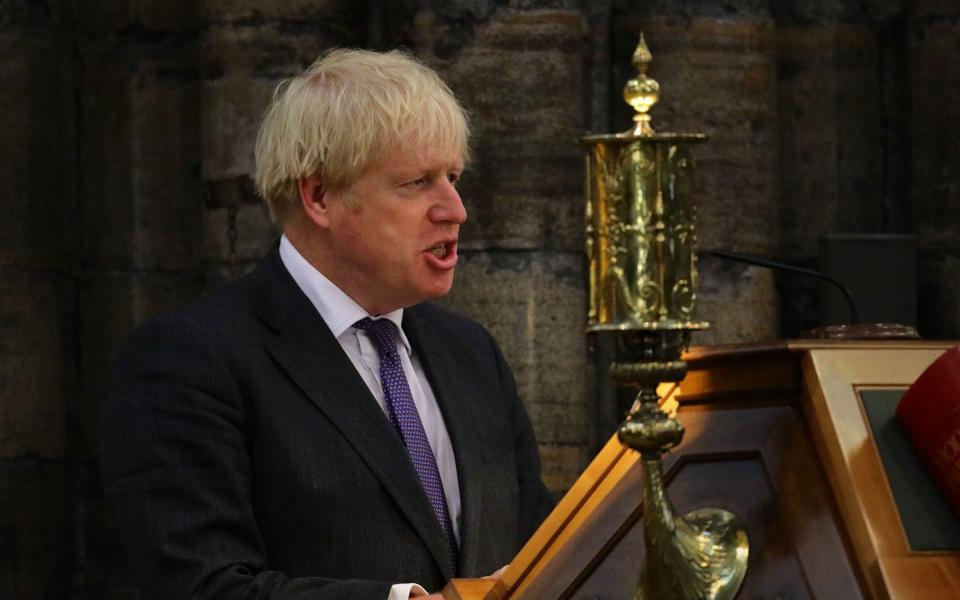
column 779, row 435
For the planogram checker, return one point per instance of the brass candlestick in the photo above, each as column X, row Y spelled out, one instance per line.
column 640, row 244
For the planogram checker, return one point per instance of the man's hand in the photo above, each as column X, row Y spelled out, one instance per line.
column 495, row 575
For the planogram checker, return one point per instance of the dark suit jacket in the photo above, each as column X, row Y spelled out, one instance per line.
column 247, row 459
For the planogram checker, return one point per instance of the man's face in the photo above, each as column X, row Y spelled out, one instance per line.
column 394, row 230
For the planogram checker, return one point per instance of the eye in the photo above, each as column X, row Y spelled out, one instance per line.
column 418, row 182
column 453, row 178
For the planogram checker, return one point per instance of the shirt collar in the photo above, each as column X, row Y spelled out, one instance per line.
column 338, row 310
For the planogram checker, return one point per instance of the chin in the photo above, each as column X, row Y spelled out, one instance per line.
column 434, row 295
column 439, row 290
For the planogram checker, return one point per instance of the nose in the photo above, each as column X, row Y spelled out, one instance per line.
column 448, row 207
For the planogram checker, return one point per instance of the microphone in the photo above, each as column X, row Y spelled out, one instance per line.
column 779, row 266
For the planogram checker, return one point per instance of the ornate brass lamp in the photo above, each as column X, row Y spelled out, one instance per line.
column 640, row 243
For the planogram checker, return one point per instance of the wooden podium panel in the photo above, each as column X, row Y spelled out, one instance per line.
column 835, row 380
column 759, row 466
column 767, row 438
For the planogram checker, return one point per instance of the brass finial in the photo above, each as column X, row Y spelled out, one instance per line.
column 641, row 92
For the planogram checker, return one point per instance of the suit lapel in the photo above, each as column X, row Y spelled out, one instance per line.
column 456, row 400
column 307, row 351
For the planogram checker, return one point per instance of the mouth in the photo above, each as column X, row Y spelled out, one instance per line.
column 444, row 254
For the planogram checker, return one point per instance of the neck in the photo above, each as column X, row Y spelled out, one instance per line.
column 314, row 248
column 308, row 243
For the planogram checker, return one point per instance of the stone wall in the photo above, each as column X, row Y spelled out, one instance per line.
column 932, row 120
column 125, row 190
column 38, row 324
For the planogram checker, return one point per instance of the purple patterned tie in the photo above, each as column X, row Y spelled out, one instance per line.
column 403, row 413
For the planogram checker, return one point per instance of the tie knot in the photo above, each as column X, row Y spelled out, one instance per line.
column 383, row 333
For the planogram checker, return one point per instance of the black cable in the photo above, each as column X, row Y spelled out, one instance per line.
column 772, row 264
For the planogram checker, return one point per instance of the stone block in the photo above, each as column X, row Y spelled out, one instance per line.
column 738, row 300
column 933, row 10
column 37, row 172
column 268, row 51
column 242, row 64
column 255, row 235
column 935, row 171
column 866, row 135
column 562, row 421
column 125, row 16
column 23, row 16
column 560, row 466
column 808, row 139
column 524, row 196
column 323, row 12
column 104, row 574
column 35, row 525
column 837, row 145
column 520, row 75
column 36, row 354
column 939, row 302
column 734, row 205
column 142, row 194
column 231, row 114
column 153, row 16
column 935, row 128
column 684, row 9
column 534, row 305
column 802, row 12
column 111, row 305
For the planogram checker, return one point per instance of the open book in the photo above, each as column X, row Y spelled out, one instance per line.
column 930, row 415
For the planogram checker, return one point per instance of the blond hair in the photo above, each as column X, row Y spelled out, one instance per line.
column 346, row 113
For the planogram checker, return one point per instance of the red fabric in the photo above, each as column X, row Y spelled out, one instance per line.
column 929, row 412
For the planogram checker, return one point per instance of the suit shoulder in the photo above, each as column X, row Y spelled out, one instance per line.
column 439, row 316
column 219, row 310
column 458, row 334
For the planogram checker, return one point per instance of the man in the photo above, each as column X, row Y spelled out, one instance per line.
column 314, row 430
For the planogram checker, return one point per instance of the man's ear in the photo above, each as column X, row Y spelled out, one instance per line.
column 313, row 199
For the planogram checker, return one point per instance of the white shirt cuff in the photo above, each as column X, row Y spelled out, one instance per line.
column 402, row 591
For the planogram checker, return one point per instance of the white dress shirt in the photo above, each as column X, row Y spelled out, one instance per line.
column 339, row 311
